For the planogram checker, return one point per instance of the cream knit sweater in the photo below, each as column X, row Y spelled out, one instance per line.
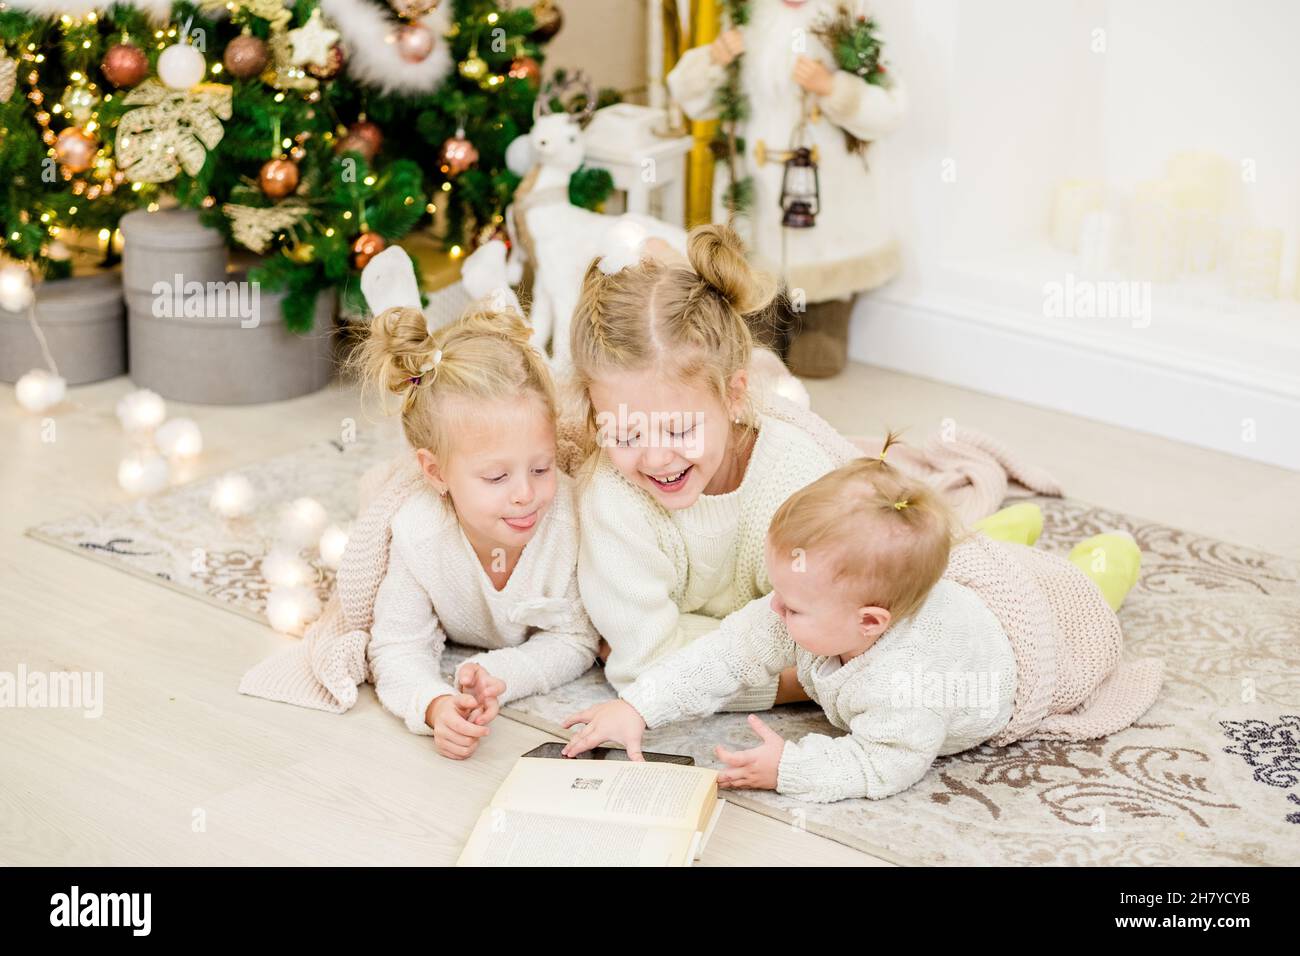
column 654, row 580
column 534, row 629
column 937, row 683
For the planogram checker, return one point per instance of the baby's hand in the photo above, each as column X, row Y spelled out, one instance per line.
column 756, row 768
column 475, row 680
column 454, row 735
column 615, row 720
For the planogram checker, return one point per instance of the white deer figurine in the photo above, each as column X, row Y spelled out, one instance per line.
column 559, row 238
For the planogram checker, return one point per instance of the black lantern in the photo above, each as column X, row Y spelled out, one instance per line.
column 800, row 190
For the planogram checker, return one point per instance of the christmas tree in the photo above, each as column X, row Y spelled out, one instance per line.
column 311, row 134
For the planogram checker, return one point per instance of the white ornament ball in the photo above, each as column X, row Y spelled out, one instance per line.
column 302, row 522
column 519, row 156
column 291, row 609
column 38, row 390
column 15, row 288
column 141, row 411
column 333, row 542
column 143, row 474
column 232, row 497
column 282, row 568
column 181, row 66
column 179, row 438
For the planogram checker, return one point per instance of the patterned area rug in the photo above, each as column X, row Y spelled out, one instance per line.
column 1210, row 775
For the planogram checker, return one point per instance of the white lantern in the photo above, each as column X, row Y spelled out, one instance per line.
column 181, row 66
column 143, row 474
column 333, row 542
column 141, row 411
column 39, row 390
column 179, row 438
column 302, row 522
column 291, row 609
column 232, row 497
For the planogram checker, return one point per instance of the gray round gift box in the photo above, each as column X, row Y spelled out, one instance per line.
column 84, row 325
column 216, row 342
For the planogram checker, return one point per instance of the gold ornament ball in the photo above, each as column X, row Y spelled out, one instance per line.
column 246, row 56
column 278, row 178
column 414, row 42
column 75, row 149
column 548, row 18
column 457, row 154
column 474, row 68
column 302, row 253
column 413, row 9
column 365, row 247
column 125, row 64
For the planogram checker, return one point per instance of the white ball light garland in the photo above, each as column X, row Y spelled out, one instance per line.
column 232, row 496
column 290, row 609
column 141, row 411
column 40, row 390
column 143, row 474
column 302, row 521
column 333, row 542
column 179, row 438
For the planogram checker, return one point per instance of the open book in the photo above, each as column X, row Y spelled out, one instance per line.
column 563, row 812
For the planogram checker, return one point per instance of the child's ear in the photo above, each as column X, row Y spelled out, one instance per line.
column 432, row 473
column 872, row 621
column 737, row 389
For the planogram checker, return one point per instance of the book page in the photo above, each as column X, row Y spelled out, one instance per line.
column 645, row 794
column 509, row 838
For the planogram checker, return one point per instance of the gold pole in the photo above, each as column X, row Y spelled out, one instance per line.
column 706, row 23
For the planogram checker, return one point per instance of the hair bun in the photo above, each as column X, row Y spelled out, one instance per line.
column 718, row 257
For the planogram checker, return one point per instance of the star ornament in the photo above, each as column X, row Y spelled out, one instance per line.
column 313, row 41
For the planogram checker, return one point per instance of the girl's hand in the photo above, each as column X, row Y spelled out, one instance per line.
column 756, row 768
column 454, row 735
column 616, row 721
column 485, row 689
column 813, row 76
column 727, row 47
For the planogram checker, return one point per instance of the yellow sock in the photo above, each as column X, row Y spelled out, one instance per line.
column 1019, row 524
column 1112, row 560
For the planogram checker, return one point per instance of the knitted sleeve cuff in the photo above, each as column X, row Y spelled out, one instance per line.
column 805, row 772
column 655, row 709
column 758, row 697
column 510, row 665
column 421, row 698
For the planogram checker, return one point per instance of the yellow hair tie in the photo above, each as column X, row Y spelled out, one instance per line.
column 900, row 505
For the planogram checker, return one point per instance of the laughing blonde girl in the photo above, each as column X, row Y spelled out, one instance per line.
column 687, row 473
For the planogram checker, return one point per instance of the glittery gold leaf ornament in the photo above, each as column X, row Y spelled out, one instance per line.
column 170, row 130
column 255, row 226
column 8, row 76
column 276, row 12
column 282, row 73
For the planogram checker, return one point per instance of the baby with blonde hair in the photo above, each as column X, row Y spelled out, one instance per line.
column 910, row 662
column 486, row 554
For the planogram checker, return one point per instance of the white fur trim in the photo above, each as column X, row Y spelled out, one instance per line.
column 621, row 246
column 372, row 58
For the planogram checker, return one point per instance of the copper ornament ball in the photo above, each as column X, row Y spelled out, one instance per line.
column 365, row 138
column 125, row 64
column 457, row 155
column 75, row 149
column 414, row 42
column 365, row 247
column 526, row 68
column 246, row 56
column 278, row 178
column 333, row 64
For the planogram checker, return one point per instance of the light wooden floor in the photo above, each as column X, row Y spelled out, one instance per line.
column 181, row 769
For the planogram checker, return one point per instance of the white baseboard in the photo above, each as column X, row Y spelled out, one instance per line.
column 1162, row 393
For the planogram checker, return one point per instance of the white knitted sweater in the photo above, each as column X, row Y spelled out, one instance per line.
column 937, row 683
column 654, row 580
column 534, row 629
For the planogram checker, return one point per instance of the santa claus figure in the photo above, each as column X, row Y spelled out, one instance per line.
column 802, row 109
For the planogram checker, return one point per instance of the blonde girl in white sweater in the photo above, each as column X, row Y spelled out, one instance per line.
column 486, row 553
column 676, row 501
